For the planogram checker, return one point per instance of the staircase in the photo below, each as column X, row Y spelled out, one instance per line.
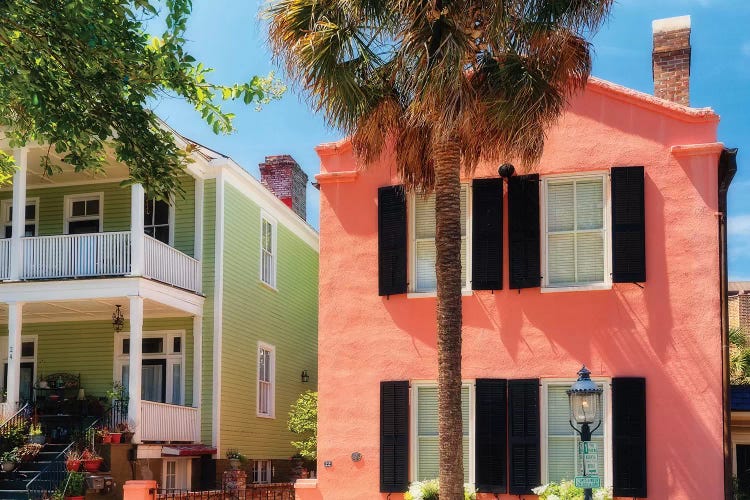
column 13, row 485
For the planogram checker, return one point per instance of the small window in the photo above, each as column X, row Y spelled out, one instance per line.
column 268, row 252
column 262, row 471
column 266, row 377
column 423, row 241
column 153, row 345
column 170, row 475
column 30, row 228
column 176, row 474
column 156, row 220
column 27, row 349
column 84, row 214
column 177, row 345
column 576, row 231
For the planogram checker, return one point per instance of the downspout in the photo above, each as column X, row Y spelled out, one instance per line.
column 727, row 169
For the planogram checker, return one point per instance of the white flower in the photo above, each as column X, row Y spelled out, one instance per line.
column 416, row 490
column 540, row 489
column 553, row 497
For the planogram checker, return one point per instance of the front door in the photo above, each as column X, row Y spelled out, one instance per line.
column 26, row 381
column 743, row 469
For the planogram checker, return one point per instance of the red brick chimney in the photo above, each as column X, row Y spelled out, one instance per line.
column 671, row 59
column 283, row 176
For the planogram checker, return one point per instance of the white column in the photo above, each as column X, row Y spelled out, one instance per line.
column 135, row 359
column 19, row 213
column 198, row 244
column 15, row 324
column 137, row 266
column 197, row 360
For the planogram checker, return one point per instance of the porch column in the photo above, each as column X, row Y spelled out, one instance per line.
column 19, row 213
column 15, row 323
column 135, row 359
column 197, row 360
column 137, row 251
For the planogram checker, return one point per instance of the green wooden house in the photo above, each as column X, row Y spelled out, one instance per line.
column 217, row 291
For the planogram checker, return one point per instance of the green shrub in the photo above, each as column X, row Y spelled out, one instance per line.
column 566, row 490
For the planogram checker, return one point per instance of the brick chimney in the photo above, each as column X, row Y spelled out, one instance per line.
column 671, row 59
column 283, row 176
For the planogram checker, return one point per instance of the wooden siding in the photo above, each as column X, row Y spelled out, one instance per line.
column 184, row 218
column 285, row 318
column 209, row 274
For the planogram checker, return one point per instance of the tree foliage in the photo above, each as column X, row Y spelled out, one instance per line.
column 80, row 75
column 739, row 357
column 303, row 420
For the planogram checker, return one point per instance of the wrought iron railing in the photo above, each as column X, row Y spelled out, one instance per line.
column 273, row 491
column 51, row 477
column 117, row 414
column 18, row 422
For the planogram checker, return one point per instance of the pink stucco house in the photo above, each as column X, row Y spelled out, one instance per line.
column 608, row 254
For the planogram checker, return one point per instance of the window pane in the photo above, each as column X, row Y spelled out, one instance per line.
column 153, row 345
column 427, row 432
column 161, row 212
column 589, row 204
column 29, row 230
column 161, row 233
column 126, row 346
column 149, row 230
column 83, row 226
column 424, row 216
column 560, row 214
column 148, row 213
column 176, row 383
column 590, row 257
column 561, row 255
column 30, row 212
column 177, row 345
column 92, row 207
column 79, row 208
column 27, row 349
column 8, row 231
column 425, row 266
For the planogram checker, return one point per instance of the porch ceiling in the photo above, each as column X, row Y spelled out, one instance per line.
column 87, row 310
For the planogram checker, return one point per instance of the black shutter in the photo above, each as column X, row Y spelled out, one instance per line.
column 394, row 437
column 523, row 436
column 523, row 231
column 629, row 436
column 487, row 234
column 391, row 240
column 491, row 433
column 628, row 225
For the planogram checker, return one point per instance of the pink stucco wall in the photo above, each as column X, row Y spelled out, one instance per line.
column 667, row 332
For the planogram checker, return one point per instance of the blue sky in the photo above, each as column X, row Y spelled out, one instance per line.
column 227, row 35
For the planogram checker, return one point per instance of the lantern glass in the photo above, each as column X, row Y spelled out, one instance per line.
column 584, row 406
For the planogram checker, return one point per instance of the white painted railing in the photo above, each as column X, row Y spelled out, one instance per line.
column 169, row 265
column 76, row 255
column 4, row 259
column 164, row 422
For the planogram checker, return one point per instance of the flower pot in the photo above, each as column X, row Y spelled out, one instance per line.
column 116, row 437
column 106, row 439
column 73, row 465
column 92, row 465
column 234, row 463
column 37, row 438
column 8, row 466
column 75, row 498
column 126, row 437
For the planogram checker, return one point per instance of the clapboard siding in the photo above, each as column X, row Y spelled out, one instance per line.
column 209, row 273
column 184, row 218
column 285, row 318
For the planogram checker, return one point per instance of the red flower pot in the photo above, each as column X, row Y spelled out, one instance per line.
column 75, row 498
column 107, row 438
column 115, row 436
column 73, row 465
column 92, row 465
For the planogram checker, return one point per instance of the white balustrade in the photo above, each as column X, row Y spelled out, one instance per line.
column 165, row 422
column 5, row 259
column 169, row 265
column 76, row 255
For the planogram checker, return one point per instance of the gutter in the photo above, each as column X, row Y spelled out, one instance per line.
column 727, row 169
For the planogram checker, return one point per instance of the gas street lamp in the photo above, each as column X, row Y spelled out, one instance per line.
column 585, row 398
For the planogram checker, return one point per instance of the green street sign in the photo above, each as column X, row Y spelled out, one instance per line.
column 586, row 447
column 588, row 482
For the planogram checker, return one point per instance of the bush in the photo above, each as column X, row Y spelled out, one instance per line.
column 303, row 420
column 430, row 489
column 566, row 490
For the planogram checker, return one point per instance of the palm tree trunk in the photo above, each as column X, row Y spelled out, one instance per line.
column 448, row 271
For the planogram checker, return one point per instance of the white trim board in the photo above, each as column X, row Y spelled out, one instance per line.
column 218, row 311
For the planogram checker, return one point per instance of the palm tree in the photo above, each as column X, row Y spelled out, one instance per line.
column 448, row 83
column 739, row 357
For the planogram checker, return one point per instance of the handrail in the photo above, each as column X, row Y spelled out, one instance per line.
column 49, row 479
column 22, row 414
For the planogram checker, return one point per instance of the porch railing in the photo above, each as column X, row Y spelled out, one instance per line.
column 76, row 255
column 14, row 422
column 273, row 491
column 165, row 422
column 167, row 264
column 5, row 259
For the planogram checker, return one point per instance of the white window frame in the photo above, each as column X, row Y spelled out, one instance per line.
column 607, row 232
column 265, row 218
column 24, row 359
column 183, row 474
column 168, row 355
column 414, row 415
column 170, row 221
column 7, row 205
column 70, row 198
column 257, row 467
column 606, row 424
column 412, row 245
column 272, row 399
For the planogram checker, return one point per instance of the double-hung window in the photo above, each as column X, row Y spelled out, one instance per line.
column 423, row 241
column 83, row 214
column 576, row 235
column 31, row 218
column 266, row 380
column 268, row 251
column 425, row 452
column 156, row 220
column 262, row 471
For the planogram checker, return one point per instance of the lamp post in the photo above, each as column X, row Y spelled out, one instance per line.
column 585, row 397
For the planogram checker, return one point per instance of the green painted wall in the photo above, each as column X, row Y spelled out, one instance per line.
column 184, row 218
column 209, row 274
column 286, row 318
column 87, row 348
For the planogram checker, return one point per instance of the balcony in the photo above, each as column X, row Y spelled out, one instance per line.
column 169, row 423
column 100, row 255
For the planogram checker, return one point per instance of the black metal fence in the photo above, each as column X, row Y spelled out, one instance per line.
column 273, row 491
column 117, row 416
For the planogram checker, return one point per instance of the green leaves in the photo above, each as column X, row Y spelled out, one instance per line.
column 303, row 420
column 79, row 75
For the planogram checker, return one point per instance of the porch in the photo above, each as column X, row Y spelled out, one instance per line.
column 63, row 356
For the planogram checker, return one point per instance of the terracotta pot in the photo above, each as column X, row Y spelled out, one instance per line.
column 73, row 465
column 234, row 463
column 8, row 466
column 75, row 498
column 92, row 465
column 107, row 439
column 116, row 437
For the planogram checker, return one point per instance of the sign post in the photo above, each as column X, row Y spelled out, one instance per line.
column 588, row 453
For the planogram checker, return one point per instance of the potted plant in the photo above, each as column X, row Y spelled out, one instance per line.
column 28, row 452
column 74, row 487
column 103, row 435
column 35, row 434
column 91, row 460
column 8, row 460
column 126, row 431
column 235, row 458
column 73, row 460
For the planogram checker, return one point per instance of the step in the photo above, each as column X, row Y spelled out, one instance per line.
column 14, row 495
column 55, row 447
column 33, row 466
column 49, row 456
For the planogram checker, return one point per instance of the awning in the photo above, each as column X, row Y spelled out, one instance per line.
column 187, row 450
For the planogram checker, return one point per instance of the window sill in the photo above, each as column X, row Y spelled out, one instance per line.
column 432, row 295
column 270, row 287
column 260, row 415
column 581, row 288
